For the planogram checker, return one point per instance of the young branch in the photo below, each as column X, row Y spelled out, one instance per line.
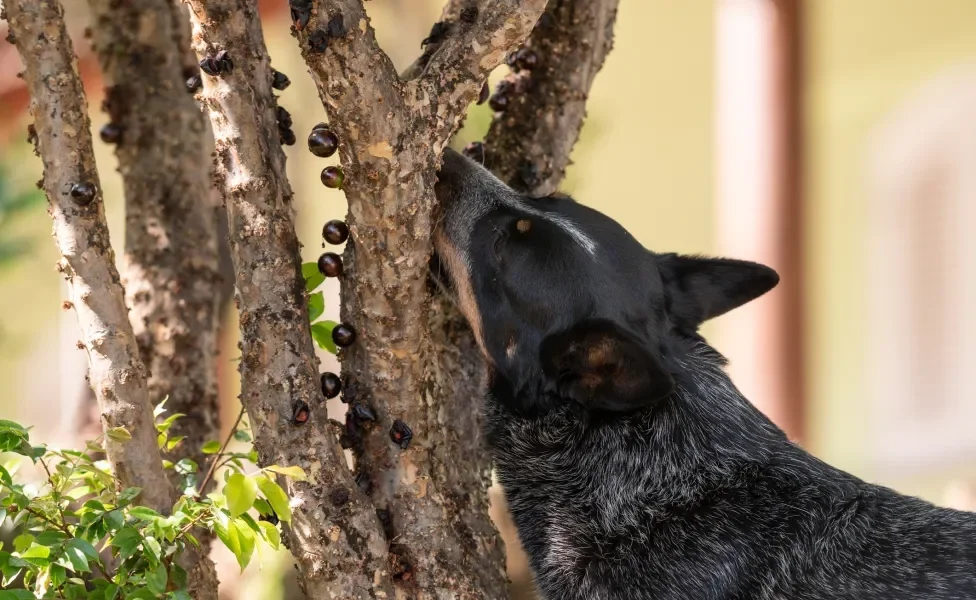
column 529, row 144
column 335, row 534
column 391, row 136
column 475, row 43
column 170, row 268
column 61, row 133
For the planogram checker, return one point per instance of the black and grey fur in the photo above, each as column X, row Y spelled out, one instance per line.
column 633, row 467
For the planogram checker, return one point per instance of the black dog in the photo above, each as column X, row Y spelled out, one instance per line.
column 633, row 467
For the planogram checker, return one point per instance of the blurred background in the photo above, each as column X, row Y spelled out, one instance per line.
column 832, row 139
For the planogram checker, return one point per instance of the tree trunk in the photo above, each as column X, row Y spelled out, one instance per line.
column 335, row 534
column 170, row 268
column 170, row 273
column 429, row 491
column 61, row 134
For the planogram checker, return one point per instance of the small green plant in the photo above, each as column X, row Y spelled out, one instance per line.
column 81, row 535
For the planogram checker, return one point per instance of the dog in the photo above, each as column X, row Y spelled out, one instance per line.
column 632, row 466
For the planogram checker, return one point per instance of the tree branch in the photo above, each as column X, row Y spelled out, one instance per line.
column 474, row 43
column 335, row 534
column 431, row 493
column 170, row 273
column 529, row 144
column 170, row 268
column 61, row 133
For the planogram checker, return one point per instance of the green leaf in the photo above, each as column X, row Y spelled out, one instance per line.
column 242, row 436
column 313, row 278
column 238, row 538
column 322, row 334
column 211, row 447
column 79, row 562
column 270, row 534
column 16, row 595
column 17, row 428
column 152, row 549
column 144, row 513
column 241, row 492
column 127, row 540
column 262, row 506
column 296, row 473
column 50, row 538
column 186, row 466
column 23, row 542
column 179, row 595
column 140, row 595
column 118, row 434
column 275, row 496
column 174, row 441
column 166, row 424
column 156, row 579
column 316, row 306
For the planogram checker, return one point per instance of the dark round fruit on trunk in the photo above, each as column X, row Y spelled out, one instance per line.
column 335, row 231
column 279, row 80
column 287, row 136
column 483, row 96
column 332, row 177
column 320, row 126
column 110, row 133
column 343, row 335
column 401, row 434
column 283, row 116
column 330, row 264
column 331, row 385
column 82, row 193
column 210, row 66
column 526, row 58
column 193, row 84
column 323, row 143
column 498, row 102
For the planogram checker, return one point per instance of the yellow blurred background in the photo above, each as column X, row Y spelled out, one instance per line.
column 685, row 145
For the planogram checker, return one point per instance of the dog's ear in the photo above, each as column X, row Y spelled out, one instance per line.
column 699, row 289
column 603, row 367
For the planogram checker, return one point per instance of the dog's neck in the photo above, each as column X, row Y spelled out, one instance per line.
column 704, row 436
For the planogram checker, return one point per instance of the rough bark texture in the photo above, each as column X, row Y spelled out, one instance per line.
column 528, row 145
column 170, row 265
column 170, row 268
column 572, row 39
column 335, row 535
column 61, row 132
column 430, row 495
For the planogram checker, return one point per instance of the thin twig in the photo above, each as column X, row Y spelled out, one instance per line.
column 213, row 463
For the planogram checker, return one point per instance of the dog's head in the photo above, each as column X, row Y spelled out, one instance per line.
column 564, row 302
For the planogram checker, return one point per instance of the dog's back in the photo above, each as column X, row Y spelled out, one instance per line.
column 676, row 505
column 632, row 466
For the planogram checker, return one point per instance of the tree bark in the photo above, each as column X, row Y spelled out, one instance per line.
column 572, row 39
column 61, row 134
column 170, row 265
column 335, row 535
column 170, row 273
column 529, row 144
column 431, row 492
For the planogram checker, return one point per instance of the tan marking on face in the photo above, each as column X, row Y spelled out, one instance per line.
column 523, row 225
column 462, row 283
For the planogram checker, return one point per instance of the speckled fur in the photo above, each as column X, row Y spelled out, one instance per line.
column 694, row 495
column 702, row 497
